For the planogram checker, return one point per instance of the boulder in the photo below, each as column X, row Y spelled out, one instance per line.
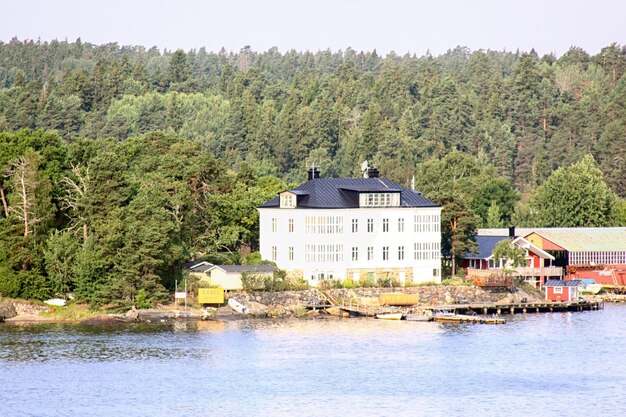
column 7, row 310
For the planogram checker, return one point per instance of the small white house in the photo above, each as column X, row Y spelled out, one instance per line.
column 352, row 228
column 229, row 276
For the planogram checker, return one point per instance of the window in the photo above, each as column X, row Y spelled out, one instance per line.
column 274, row 225
column 385, row 225
column 355, row 253
column 385, row 253
column 291, row 253
column 370, row 225
column 426, row 223
column 435, row 272
column 401, row 224
column 379, row 199
column 370, row 253
column 273, row 253
column 400, row 253
column 322, row 225
column 426, row 251
column 323, row 253
column 355, row 225
column 290, row 225
column 287, row 200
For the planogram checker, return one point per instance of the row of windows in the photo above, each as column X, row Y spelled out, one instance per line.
column 426, row 223
column 597, row 258
column 334, row 224
column 384, row 253
column 379, row 199
column 356, row 276
column 426, row 251
column 334, row 252
column 323, row 253
column 323, row 224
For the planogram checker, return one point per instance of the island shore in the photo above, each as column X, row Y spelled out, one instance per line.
column 299, row 304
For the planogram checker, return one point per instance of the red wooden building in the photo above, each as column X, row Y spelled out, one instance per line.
column 560, row 290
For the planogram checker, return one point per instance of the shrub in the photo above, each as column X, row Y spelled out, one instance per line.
column 252, row 282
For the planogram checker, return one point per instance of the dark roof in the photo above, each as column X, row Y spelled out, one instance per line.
column 197, row 266
column 561, row 283
column 484, row 247
column 245, row 268
column 344, row 193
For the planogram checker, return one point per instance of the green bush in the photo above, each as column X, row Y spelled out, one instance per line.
column 278, row 281
column 9, row 283
column 251, row 281
column 368, row 282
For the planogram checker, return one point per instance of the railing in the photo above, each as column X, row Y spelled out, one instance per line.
column 497, row 277
column 547, row 271
column 489, row 278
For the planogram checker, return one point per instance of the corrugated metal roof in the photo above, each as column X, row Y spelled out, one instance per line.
column 344, row 193
column 561, row 283
column 484, row 247
column 196, row 266
column 245, row 268
column 574, row 239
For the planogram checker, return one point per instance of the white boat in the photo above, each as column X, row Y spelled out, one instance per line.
column 419, row 317
column 56, row 302
column 237, row 306
column 389, row 316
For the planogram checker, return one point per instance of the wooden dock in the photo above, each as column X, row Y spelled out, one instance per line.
column 469, row 313
column 517, row 308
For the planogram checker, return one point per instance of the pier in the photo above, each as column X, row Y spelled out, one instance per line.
column 470, row 309
column 518, row 308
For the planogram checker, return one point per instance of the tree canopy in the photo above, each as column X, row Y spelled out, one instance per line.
column 117, row 163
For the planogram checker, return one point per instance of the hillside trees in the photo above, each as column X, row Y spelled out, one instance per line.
column 112, row 221
column 575, row 196
column 527, row 115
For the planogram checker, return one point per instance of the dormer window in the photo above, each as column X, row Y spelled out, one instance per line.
column 287, row 200
column 379, row 199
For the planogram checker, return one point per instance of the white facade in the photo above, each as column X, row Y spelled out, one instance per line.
column 353, row 243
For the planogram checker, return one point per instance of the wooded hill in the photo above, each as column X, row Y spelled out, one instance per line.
column 108, row 208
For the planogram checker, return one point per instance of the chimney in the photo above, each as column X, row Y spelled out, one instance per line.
column 511, row 232
column 311, row 174
column 372, row 173
column 316, row 173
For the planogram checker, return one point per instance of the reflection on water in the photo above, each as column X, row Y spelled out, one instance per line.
column 531, row 366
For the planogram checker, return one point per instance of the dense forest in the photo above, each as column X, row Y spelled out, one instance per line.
column 119, row 163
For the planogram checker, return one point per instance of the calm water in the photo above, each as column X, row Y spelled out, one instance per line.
column 538, row 365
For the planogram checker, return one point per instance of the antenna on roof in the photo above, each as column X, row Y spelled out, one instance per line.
column 314, row 172
column 413, row 183
column 365, row 169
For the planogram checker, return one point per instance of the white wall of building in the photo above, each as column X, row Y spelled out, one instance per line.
column 339, row 239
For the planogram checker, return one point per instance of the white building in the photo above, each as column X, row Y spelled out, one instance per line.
column 357, row 228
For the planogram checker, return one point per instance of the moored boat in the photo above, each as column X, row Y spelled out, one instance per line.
column 419, row 317
column 237, row 306
column 389, row 316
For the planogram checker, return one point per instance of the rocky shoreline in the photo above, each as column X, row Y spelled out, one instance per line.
column 276, row 304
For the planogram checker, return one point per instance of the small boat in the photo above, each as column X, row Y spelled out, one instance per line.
column 419, row 317
column 462, row 318
column 389, row 316
column 56, row 302
column 237, row 306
